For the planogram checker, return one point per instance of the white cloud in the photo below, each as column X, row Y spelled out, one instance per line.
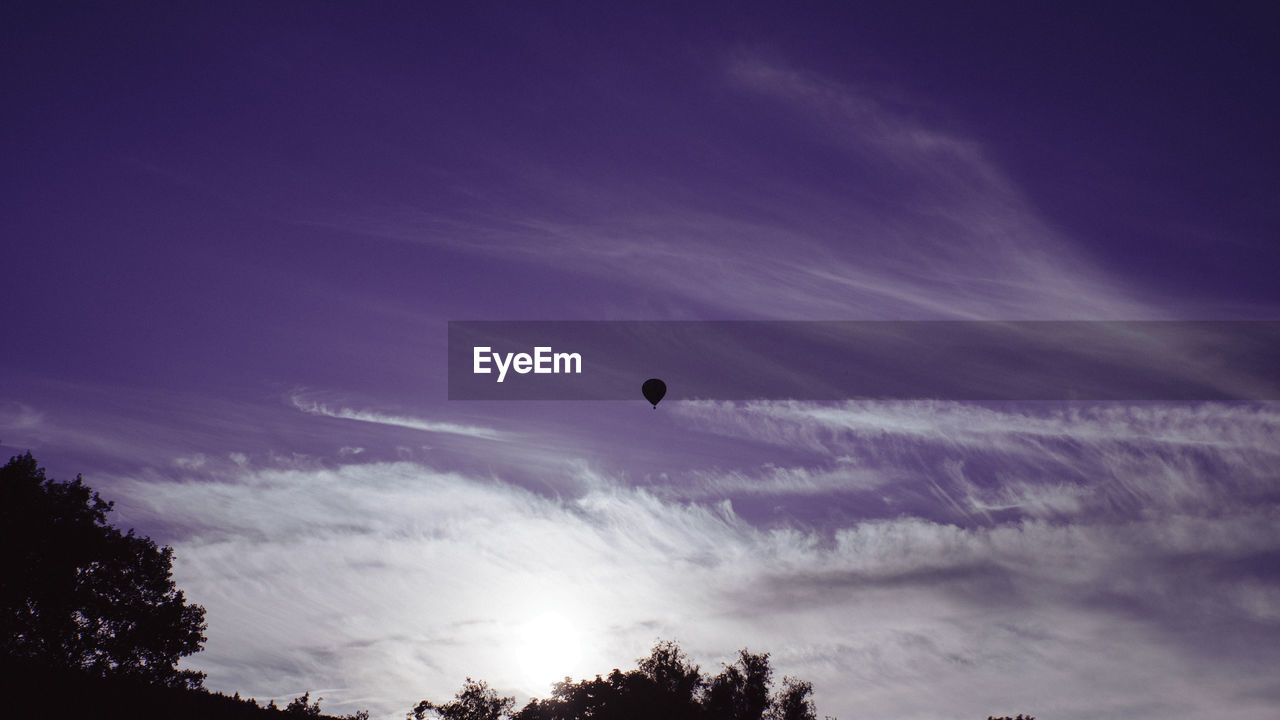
column 390, row 582
column 194, row 462
column 915, row 222
column 996, row 426
column 844, row 476
column 1044, row 460
column 16, row 416
column 369, row 416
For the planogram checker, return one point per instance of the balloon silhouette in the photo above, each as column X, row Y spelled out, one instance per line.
column 653, row 390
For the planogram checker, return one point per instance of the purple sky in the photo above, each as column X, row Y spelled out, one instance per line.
column 235, row 235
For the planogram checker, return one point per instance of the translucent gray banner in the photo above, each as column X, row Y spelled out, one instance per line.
column 777, row 360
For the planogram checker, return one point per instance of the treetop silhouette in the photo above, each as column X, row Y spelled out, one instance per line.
column 475, row 701
column 77, row 593
column 665, row 684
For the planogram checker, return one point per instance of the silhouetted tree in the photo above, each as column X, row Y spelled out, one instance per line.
column 793, row 701
column 475, row 701
column 673, row 686
column 666, row 685
column 601, row 698
column 741, row 691
column 670, row 670
column 300, row 707
column 76, row 592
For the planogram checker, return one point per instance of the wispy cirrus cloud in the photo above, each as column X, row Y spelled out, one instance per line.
column 910, row 220
column 1242, row 426
column 432, row 576
column 1037, row 460
column 312, row 407
column 16, row 416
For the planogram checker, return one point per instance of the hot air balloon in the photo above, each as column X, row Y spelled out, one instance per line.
column 653, row 390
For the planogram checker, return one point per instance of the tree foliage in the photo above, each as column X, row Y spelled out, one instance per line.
column 76, row 592
column 741, row 691
column 664, row 685
column 476, row 701
column 304, row 706
column 794, row 701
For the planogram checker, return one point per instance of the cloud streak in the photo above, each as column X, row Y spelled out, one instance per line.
column 915, row 222
column 369, row 416
column 1036, row 460
column 431, row 576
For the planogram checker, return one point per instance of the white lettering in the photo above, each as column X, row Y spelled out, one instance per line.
column 543, row 361
column 502, row 367
column 576, row 358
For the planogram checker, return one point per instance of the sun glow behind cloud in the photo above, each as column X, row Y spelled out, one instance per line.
column 1076, row 561
column 434, row 576
column 550, row 646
